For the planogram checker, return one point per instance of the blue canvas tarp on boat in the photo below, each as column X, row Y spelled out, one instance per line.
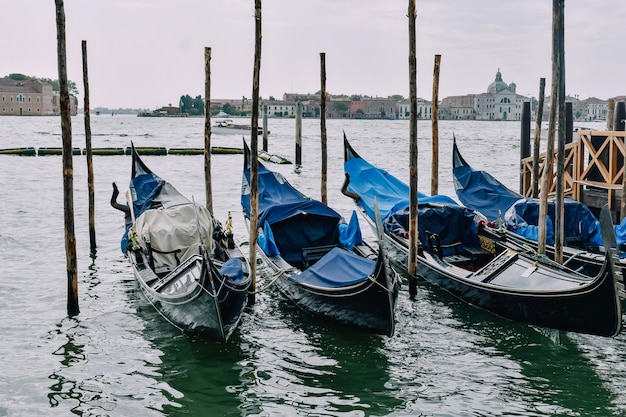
column 338, row 268
column 294, row 221
column 438, row 214
column 482, row 192
column 370, row 182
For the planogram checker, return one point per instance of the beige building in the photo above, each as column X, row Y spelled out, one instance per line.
column 30, row 98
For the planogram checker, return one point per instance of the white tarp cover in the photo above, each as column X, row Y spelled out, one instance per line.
column 175, row 227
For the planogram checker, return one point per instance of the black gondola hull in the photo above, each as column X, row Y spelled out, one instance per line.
column 368, row 306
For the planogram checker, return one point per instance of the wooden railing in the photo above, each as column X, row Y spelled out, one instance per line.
column 596, row 159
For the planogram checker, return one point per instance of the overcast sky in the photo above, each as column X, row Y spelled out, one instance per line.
column 147, row 53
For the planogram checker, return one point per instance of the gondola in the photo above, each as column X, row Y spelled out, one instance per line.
column 185, row 263
column 485, row 194
column 513, row 219
column 453, row 256
column 317, row 260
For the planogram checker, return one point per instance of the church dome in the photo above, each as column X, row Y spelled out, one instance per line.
column 498, row 85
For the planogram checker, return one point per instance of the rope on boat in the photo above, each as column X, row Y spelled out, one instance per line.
column 277, row 275
column 163, row 315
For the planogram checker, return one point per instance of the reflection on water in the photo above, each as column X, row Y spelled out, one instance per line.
column 118, row 357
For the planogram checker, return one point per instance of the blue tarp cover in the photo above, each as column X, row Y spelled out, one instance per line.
column 146, row 188
column 445, row 217
column 296, row 222
column 233, row 269
column 482, row 192
column 338, row 268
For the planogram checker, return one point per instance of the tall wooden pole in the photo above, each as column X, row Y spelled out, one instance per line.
column 559, row 210
column 413, row 180
column 90, row 186
column 546, row 178
column 68, row 168
column 619, row 116
column 323, row 124
column 610, row 114
column 208, row 187
column 524, row 142
column 265, row 147
column 569, row 122
column 434, row 178
column 298, row 134
column 254, row 150
column 537, row 143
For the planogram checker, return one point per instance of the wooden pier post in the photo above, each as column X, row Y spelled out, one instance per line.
column 413, row 179
column 323, row 125
column 559, row 209
column 524, row 142
column 610, row 115
column 546, row 178
column 298, row 134
column 537, row 144
column 68, row 168
column 434, row 176
column 88, row 151
column 208, row 183
column 619, row 117
column 254, row 150
column 569, row 122
column 265, row 146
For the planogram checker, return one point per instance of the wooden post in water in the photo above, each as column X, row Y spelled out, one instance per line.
column 524, row 142
column 413, row 180
column 254, row 150
column 298, row 134
column 68, row 168
column 546, row 178
column 569, row 122
column 434, row 176
column 559, row 210
column 208, row 187
column 323, row 125
column 619, row 117
column 537, row 144
column 265, row 147
column 610, row 114
column 90, row 186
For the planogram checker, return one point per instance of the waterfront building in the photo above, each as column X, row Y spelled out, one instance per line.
column 30, row 98
column 424, row 109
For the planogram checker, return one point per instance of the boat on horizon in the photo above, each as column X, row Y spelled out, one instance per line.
column 229, row 127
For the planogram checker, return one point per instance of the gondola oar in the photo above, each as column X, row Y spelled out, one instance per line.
column 383, row 255
column 610, row 247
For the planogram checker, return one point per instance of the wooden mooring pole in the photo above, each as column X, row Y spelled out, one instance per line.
column 68, row 169
column 546, row 178
column 254, row 151
column 537, row 143
column 619, row 118
column 208, row 187
column 434, row 177
column 298, row 134
column 89, row 152
column 323, row 125
column 524, row 142
column 265, row 145
column 559, row 210
column 610, row 114
column 413, row 180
